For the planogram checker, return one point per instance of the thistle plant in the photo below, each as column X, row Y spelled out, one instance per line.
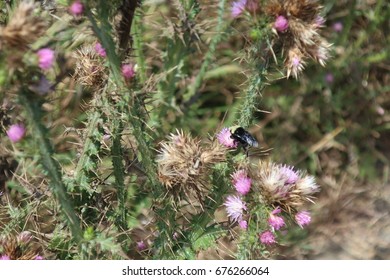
column 135, row 183
column 20, row 247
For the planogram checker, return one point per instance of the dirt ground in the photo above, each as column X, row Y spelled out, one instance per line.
column 354, row 224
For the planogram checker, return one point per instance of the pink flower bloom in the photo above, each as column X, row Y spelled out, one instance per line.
column 45, row 58
column 238, row 7
column 296, row 61
column 141, row 245
column 276, row 222
column 281, row 24
column 128, row 71
column 338, row 26
column 235, row 207
column 243, row 224
column 267, row 237
column 241, row 182
column 4, row 258
column 303, row 218
column 252, row 5
column 224, row 138
column 100, row 50
column 289, row 173
column 329, row 78
column 276, row 211
column 38, row 258
column 319, row 21
column 76, row 8
column 16, row 132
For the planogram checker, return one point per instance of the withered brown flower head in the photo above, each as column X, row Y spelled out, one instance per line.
column 18, row 249
column 23, row 28
column 301, row 40
column 89, row 70
column 184, row 164
column 281, row 186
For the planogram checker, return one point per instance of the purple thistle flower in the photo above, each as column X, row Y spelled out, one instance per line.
column 276, row 222
column 281, row 24
column 241, row 182
column 38, row 258
column 238, row 7
column 16, row 132
column 243, row 224
column 76, row 8
column 141, row 245
column 338, row 26
column 100, row 50
column 296, row 61
column 235, row 207
column 224, row 138
column 329, row 78
column 276, row 211
column 128, row 71
column 4, row 258
column 252, row 5
column 303, row 218
column 45, row 58
column 319, row 21
column 289, row 173
column 267, row 237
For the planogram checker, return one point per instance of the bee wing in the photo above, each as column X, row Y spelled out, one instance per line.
column 250, row 139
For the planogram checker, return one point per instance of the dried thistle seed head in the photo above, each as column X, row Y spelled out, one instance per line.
column 320, row 52
column 184, row 164
column 23, row 28
column 213, row 153
column 303, row 33
column 301, row 39
column 306, row 10
column 294, row 62
column 89, row 70
column 282, row 186
column 179, row 163
column 16, row 250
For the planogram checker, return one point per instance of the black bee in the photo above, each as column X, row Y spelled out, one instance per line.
column 243, row 137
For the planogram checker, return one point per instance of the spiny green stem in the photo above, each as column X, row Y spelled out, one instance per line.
column 177, row 52
column 131, row 107
column 117, row 163
column 107, row 42
column 253, row 94
column 221, row 186
column 52, row 167
column 138, row 47
column 210, row 53
column 80, row 174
